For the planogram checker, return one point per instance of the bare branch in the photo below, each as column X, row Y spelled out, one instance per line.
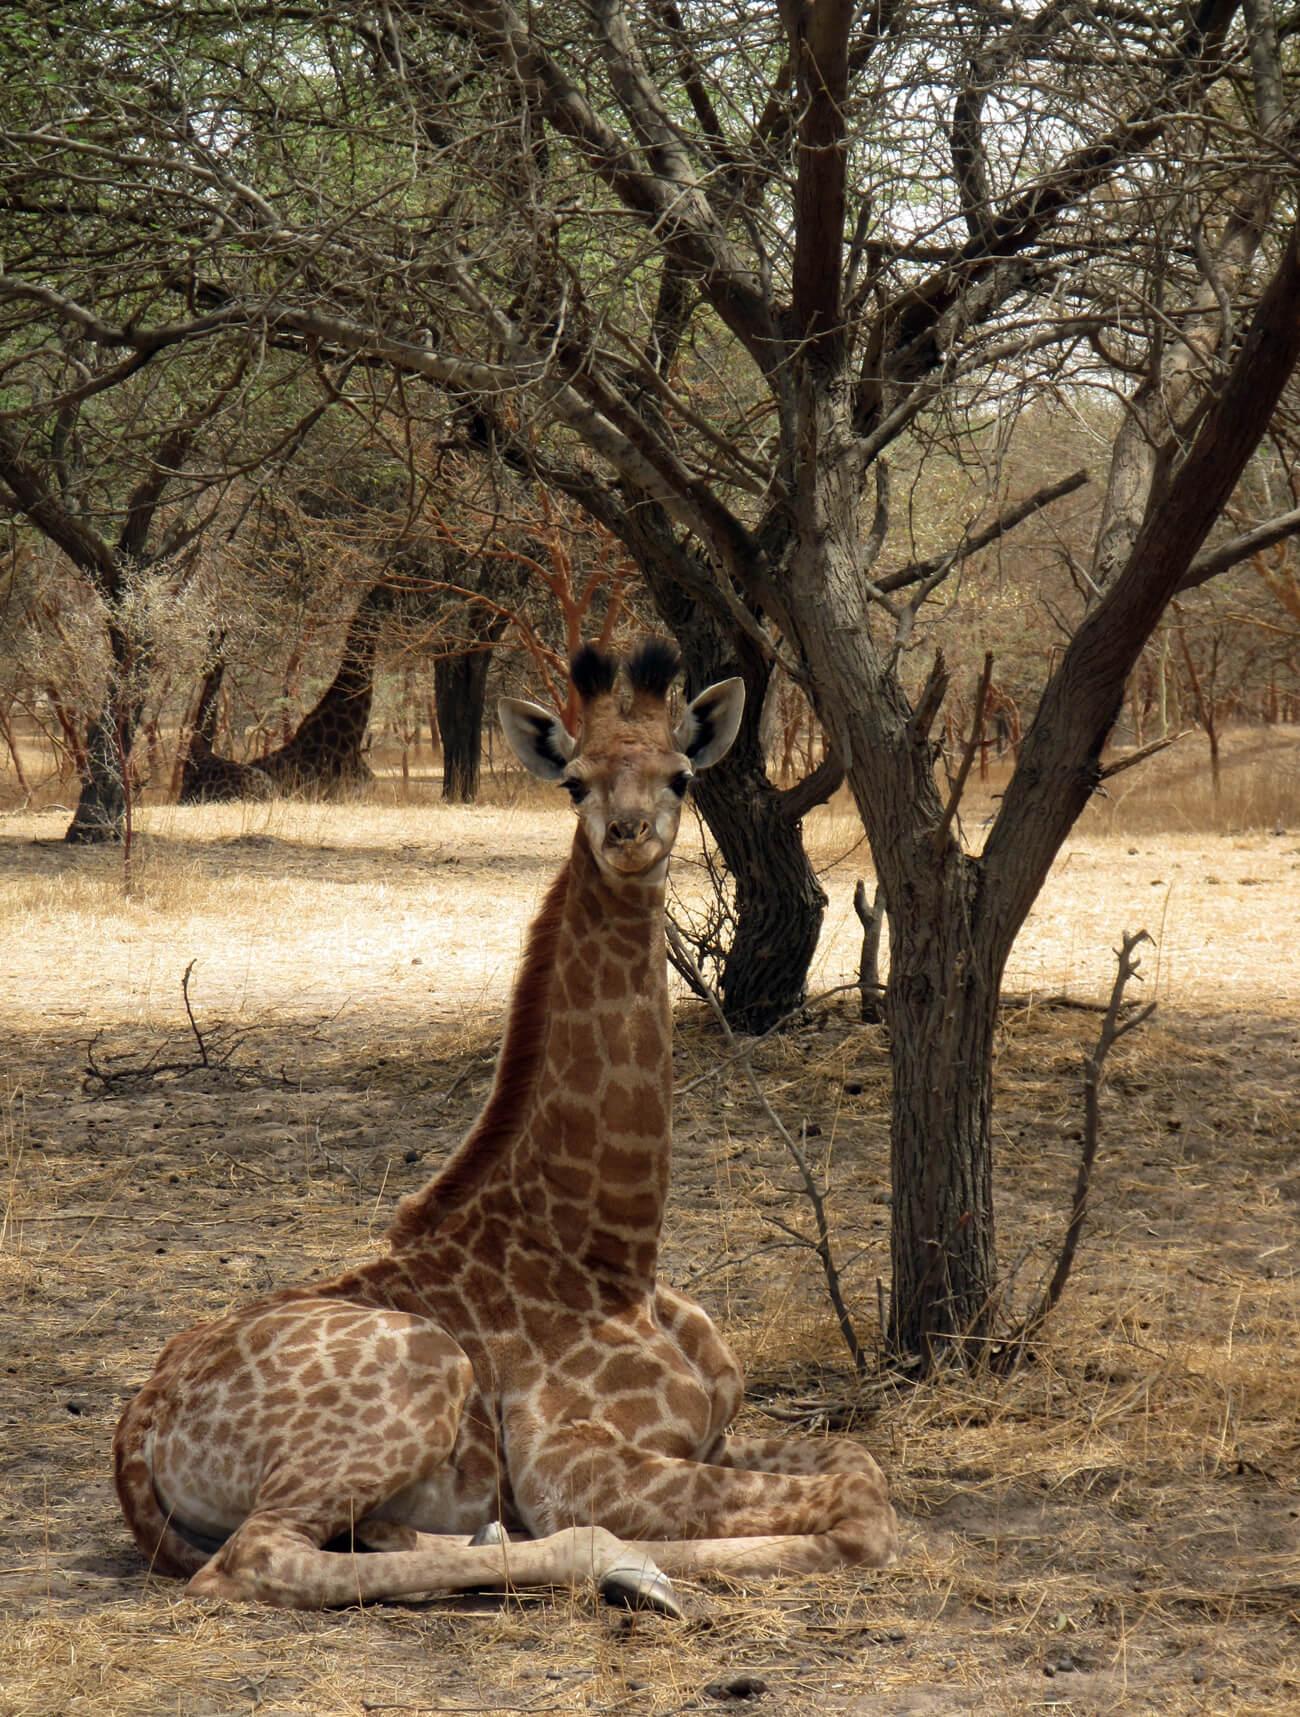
column 919, row 570
column 968, row 755
column 1113, row 1027
column 1141, row 755
column 1211, row 562
column 815, row 1194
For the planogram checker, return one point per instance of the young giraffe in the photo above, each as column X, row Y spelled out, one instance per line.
column 513, row 1357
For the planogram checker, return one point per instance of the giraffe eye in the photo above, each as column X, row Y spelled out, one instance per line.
column 577, row 790
column 680, row 782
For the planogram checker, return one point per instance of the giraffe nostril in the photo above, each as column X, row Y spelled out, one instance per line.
column 625, row 829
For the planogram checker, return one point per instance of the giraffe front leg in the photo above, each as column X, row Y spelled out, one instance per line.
column 695, row 1517
column 274, row 1558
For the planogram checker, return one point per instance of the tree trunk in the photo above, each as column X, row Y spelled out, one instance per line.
column 460, row 693
column 779, row 901
column 101, row 807
column 941, row 1005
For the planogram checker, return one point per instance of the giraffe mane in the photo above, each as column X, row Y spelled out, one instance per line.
column 522, row 1049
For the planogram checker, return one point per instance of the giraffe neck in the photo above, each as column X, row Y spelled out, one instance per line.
column 574, row 1145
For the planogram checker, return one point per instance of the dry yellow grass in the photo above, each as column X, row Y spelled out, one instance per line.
column 1112, row 1529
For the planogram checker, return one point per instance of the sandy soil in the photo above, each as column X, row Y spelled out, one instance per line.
column 1113, row 1529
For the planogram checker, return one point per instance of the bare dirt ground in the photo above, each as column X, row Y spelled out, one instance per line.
column 1115, row 1528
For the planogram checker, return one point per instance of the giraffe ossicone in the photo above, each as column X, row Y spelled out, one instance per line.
column 513, row 1356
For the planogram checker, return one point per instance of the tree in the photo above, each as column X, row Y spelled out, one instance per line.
column 710, row 273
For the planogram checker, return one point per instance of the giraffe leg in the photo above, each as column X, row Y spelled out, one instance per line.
column 693, row 1517
column 631, row 1582
column 794, row 1455
column 276, row 1560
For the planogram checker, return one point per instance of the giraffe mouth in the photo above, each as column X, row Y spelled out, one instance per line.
column 632, row 860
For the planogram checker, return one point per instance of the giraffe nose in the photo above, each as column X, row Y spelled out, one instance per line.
column 621, row 830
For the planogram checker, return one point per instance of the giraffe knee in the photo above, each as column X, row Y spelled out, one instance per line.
column 866, row 1530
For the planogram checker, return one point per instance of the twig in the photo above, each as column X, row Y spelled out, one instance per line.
column 1141, row 755
column 815, row 1194
column 744, row 1049
column 968, row 756
column 219, row 1058
column 185, row 994
column 1112, row 1029
column 872, row 920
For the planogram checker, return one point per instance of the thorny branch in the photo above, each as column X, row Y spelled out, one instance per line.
column 815, row 1194
column 1113, row 1027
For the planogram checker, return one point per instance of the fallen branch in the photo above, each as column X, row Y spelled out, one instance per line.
column 216, row 1054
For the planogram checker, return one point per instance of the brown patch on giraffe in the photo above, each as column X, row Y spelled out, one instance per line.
column 582, row 1076
column 635, row 1108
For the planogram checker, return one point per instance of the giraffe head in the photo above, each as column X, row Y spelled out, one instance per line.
column 630, row 769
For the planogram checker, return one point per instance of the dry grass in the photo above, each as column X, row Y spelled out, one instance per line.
column 1127, row 1505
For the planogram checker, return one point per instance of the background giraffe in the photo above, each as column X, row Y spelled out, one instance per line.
column 513, row 1356
column 206, row 777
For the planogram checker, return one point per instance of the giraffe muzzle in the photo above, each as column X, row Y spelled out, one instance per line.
column 627, row 831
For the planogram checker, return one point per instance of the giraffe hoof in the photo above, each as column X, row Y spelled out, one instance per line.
column 491, row 1532
column 634, row 1583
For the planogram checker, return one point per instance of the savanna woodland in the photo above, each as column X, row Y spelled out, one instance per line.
column 928, row 366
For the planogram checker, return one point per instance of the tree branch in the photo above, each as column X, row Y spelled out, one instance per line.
column 1112, row 1029
column 918, row 570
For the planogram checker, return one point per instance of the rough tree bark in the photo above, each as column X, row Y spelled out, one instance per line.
column 460, row 698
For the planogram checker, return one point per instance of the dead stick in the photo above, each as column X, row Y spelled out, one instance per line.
column 968, row 756
column 815, row 1195
column 1112, row 1029
column 185, row 993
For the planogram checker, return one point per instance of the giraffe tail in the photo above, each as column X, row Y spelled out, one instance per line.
column 167, row 1550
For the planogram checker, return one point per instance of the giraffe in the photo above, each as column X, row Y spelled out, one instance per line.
column 206, row 777
column 510, row 1396
column 324, row 754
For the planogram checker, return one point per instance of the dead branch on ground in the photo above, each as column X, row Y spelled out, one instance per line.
column 216, row 1053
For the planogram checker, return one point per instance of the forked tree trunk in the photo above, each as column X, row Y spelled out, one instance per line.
column 460, row 695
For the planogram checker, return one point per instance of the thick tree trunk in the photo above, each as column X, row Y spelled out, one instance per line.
column 101, row 807
column 460, row 694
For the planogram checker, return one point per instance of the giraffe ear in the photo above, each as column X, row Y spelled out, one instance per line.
column 538, row 738
column 711, row 723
